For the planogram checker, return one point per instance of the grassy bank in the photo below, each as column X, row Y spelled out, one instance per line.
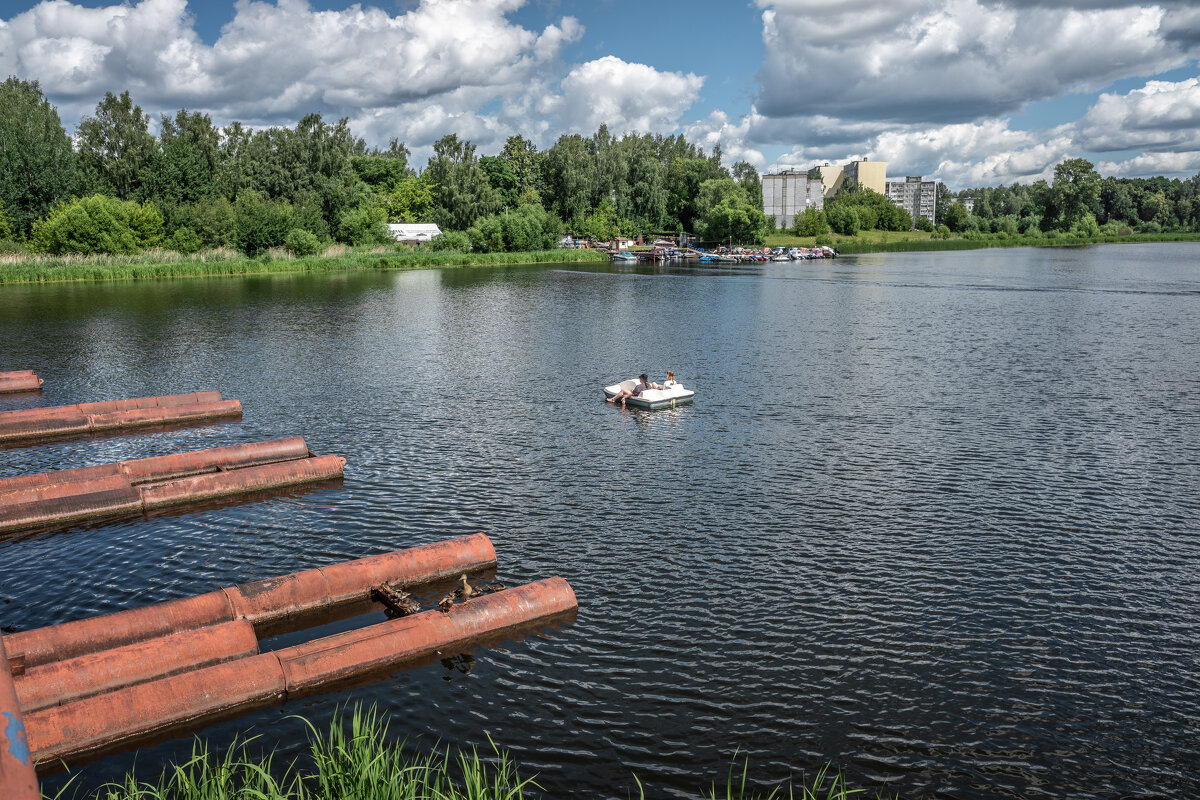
column 356, row 759
column 911, row 241
column 23, row 268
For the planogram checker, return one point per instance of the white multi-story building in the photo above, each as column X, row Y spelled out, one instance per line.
column 917, row 197
column 788, row 193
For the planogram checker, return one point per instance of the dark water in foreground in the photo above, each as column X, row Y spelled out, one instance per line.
column 934, row 518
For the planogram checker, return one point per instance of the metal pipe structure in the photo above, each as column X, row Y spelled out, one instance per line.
column 106, row 721
column 84, row 418
column 18, row 781
column 25, row 380
column 94, row 673
column 257, row 602
column 131, row 487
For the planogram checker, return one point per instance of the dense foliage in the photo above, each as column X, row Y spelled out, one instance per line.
column 208, row 187
column 1078, row 200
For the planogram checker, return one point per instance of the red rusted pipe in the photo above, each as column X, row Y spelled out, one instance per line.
column 17, row 778
column 105, row 721
column 161, row 401
column 69, row 639
column 24, row 380
column 335, row 658
column 165, row 468
column 51, row 498
column 257, row 602
column 83, row 676
column 83, row 418
column 240, row 481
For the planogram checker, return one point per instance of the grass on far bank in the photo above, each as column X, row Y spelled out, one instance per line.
column 27, row 268
column 357, row 760
column 904, row 241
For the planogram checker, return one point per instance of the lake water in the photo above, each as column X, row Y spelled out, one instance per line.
column 934, row 517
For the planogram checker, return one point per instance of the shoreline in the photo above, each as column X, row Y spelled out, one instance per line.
column 882, row 241
column 149, row 266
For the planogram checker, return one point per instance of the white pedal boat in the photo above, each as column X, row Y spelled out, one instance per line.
column 652, row 398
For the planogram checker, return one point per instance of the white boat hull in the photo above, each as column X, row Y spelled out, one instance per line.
column 653, row 399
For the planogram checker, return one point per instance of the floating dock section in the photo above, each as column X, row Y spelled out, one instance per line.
column 90, row 686
column 25, row 380
column 82, row 419
column 130, row 487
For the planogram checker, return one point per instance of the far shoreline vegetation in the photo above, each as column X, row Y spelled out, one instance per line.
column 117, row 202
column 157, row 264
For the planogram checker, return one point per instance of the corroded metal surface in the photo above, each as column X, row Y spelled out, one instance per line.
column 130, row 487
column 17, row 778
column 257, row 602
column 84, row 418
column 25, row 380
column 125, row 715
column 94, row 673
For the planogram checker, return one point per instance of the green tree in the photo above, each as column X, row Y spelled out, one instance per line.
column 811, row 222
column 410, row 201
column 726, row 214
column 569, row 176
column 502, row 179
column 954, row 216
column 843, row 218
column 746, row 174
column 383, row 170
column 187, row 161
column 461, row 191
column 524, row 161
column 37, row 163
column 1076, row 191
column 116, row 149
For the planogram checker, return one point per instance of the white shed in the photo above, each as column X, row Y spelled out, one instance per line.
column 413, row 233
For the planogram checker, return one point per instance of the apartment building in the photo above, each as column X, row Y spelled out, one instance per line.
column 917, row 197
column 788, row 193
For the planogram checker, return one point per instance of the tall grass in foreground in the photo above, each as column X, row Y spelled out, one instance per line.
column 356, row 760
column 25, row 268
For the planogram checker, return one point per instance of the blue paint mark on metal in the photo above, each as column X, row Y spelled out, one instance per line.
column 18, row 744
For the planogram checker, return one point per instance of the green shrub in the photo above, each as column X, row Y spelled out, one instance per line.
column 923, row 224
column 365, row 224
column 810, row 223
column 260, row 223
column 454, row 241
column 184, row 240
column 97, row 224
column 302, row 242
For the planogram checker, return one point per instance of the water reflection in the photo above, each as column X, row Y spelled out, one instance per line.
column 931, row 517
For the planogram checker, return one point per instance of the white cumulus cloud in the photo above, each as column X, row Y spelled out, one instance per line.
column 623, row 95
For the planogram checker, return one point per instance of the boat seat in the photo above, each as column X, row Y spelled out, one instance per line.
column 627, row 386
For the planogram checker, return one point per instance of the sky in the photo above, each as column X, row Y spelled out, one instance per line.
column 968, row 92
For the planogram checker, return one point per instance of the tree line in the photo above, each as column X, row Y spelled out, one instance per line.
column 115, row 187
column 1077, row 202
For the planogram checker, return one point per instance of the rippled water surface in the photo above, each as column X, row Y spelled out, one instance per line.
column 933, row 517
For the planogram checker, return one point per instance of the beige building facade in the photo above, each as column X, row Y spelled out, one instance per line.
column 786, row 194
